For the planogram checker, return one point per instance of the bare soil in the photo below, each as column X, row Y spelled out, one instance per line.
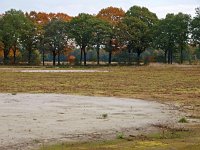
column 31, row 119
column 88, row 71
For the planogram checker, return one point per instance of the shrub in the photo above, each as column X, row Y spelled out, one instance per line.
column 36, row 58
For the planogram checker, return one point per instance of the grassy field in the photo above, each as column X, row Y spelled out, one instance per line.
column 176, row 85
column 170, row 141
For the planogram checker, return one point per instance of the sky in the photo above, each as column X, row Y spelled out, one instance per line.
column 74, row 7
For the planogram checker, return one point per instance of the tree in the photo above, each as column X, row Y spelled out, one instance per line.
column 39, row 19
column 12, row 26
column 139, row 22
column 165, row 36
column 81, row 30
column 29, row 39
column 172, row 33
column 56, row 37
column 101, row 32
column 182, row 22
column 114, row 16
column 195, row 27
column 60, row 16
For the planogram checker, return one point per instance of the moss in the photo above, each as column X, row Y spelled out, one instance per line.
column 150, row 144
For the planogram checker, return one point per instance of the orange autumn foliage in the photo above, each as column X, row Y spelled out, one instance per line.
column 1, row 50
column 1, row 54
column 60, row 16
column 38, row 18
column 10, row 55
column 71, row 59
column 111, row 14
column 43, row 18
column 67, row 52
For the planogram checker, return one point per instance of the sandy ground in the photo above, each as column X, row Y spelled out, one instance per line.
column 62, row 71
column 26, row 119
column 54, row 71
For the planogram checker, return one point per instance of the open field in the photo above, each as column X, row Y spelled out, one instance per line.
column 177, row 86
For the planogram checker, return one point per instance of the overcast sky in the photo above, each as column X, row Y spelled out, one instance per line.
column 74, row 7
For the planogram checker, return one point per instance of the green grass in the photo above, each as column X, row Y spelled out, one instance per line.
column 104, row 116
column 175, row 140
column 175, row 85
column 107, row 145
column 120, row 136
column 183, row 120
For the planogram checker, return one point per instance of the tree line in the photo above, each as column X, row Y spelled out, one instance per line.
column 113, row 30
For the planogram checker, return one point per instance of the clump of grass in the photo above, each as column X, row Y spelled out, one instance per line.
column 104, row 116
column 36, row 141
column 183, row 120
column 14, row 93
column 120, row 136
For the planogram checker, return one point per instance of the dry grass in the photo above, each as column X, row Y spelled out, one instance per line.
column 180, row 85
column 176, row 85
column 172, row 140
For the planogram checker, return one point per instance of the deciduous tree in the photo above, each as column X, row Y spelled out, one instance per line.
column 111, row 14
column 114, row 16
column 195, row 27
column 82, row 32
column 139, row 22
column 165, row 36
column 12, row 25
column 182, row 22
column 101, row 33
column 56, row 37
column 29, row 39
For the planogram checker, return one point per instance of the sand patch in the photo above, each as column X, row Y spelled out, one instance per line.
column 29, row 118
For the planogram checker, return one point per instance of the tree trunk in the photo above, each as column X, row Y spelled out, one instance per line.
column 110, row 57
column 138, row 57
column 181, row 57
column 14, row 53
column 98, row 48
column 54, row 58
column 199, row 47
column 14, row 56
column 168, row 57
column 43, row 56
column 84, row 53
column 58, row 57
column 165, row 61
column 129, row 56
column 171, row 56
column 81, row 55
column 5, row 53
column 29, row 56
column 42, row 47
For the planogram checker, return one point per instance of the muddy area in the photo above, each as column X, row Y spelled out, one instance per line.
column 26, row 119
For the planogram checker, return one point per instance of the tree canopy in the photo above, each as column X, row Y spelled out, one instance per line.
column 139, row 22
column 13, row 26
column 56, row 36
column 112, row 32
